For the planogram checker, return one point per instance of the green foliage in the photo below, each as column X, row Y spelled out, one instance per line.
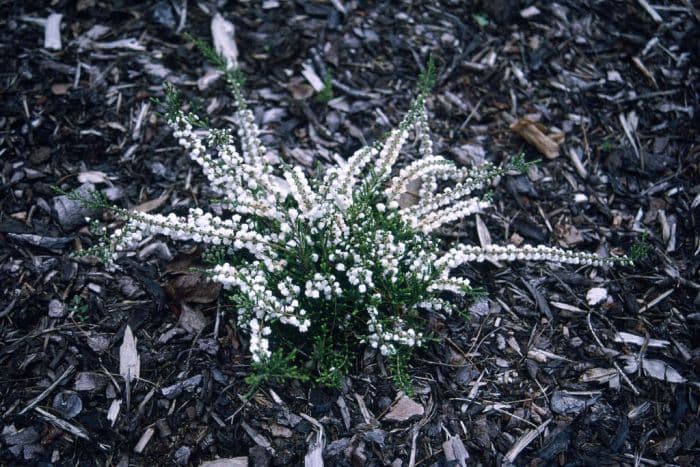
column 215, row 255
column 326, row 94
column 398, row 366
column 519, row 164
column 427, row 78
column 79, row 308
column 606, row 146
column 279, row 368
column 481, row 19
column 95, row 199
column 641, row 249
column 332, row 364
column 235, row 79
column 426, row 82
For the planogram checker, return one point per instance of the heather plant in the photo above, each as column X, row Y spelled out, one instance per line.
column 319, row 268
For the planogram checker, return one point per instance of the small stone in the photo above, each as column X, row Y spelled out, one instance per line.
column 40, row 155
column 113, row 193
column 182, row 455
column 615, row 76
column 567, row 404
column 56, row 309
column 376, row 436
column 67, row 404
column 162, row 15
column 580, row 198
column 69, row 213
column 192, row 320
column 480, row 308
column 404, row 410
column 60, row 89
column 98, row 343
column 337, row 448
column 300, row 91
column 596, row 295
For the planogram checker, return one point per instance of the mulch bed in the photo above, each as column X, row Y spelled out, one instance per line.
column 540, row 374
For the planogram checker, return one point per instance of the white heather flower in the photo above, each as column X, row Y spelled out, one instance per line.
column 268, row 237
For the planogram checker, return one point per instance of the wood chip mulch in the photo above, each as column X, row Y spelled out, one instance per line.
column 557, row 365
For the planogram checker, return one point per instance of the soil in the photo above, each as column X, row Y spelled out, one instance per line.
column 538, row 375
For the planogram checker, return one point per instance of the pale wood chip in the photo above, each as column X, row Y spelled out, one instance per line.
column 129, row 360
column 223, row 32
column 534, row 133
column 52, row 32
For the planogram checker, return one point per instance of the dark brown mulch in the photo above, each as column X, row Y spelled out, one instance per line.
column 537, row 375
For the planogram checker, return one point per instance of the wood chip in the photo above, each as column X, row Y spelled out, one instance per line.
column 222, row 32
column 144, row 439
column 93, row 176
column 60, row 89
column 598, row 375
column 152, row 204
column 129, row 360
column 113, row 412
column 259, row 439
column 529, row 12
column 192, row 320
column 651, row 11
column 629, row 125
column 578, row 165
column 308, row 72
column 534, row 133
column 404, row 409
column 629, row 338
column 230, row 462
column 48, row 390
column 656, row 301
column 52, row 32
column 455, row 452
column 524, row 441
column 63, row 424
column 130, row 43
column 645, row 71
column 314, row 456
column 661, row 370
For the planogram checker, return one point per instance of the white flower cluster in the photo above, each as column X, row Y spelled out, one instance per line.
column 462, row 254
column 385, row 337
column 342, row 253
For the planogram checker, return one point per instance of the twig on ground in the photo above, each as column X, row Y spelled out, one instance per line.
column 48, row 390
column 622, row 374
column 524, row 441
column 651, row 11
